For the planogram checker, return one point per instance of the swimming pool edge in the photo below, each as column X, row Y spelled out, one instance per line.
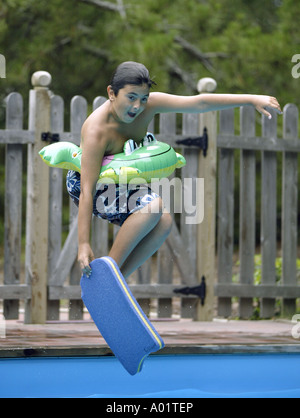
column 96, row 351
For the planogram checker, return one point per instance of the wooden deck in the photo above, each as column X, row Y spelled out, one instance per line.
column 82, row 337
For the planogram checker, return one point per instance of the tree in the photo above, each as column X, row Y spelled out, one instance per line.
column 246, row 46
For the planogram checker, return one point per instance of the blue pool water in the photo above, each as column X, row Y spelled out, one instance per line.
column 163, row 376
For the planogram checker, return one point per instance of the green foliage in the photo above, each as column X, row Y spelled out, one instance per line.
column 249, row 45
column 258, row 270
column 278, row 266
column 258, row 281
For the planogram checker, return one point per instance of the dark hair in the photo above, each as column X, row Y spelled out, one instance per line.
column 130, row 72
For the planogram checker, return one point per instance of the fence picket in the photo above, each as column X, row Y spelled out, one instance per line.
column 55, row 205
column 290, row 207
column 13, row 203
column 268, row 215
column 247, row 209
column 225, row 211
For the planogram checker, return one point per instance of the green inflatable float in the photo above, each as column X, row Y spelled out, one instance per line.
column 153, row 160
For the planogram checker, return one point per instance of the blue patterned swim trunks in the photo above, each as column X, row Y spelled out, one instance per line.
column 113, row 202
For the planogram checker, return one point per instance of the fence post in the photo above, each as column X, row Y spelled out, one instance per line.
column 37, row 201
column 206, row 238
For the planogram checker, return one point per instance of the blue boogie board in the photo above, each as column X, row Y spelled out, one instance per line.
column 118, row 316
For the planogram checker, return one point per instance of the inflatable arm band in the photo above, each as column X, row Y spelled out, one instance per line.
column 137, row 164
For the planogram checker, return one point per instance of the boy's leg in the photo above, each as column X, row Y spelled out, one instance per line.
column 140, row 236
column 148, row 245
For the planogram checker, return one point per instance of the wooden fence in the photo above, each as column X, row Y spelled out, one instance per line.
column 51, row 270
column 267, row 149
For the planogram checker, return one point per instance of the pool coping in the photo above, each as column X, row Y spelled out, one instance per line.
column 93, row 351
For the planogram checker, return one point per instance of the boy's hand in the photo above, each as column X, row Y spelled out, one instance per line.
column 85, row 256
column 263, row 103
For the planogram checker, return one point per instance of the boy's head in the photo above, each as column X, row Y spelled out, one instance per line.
column 129, row 91
column 132, row 73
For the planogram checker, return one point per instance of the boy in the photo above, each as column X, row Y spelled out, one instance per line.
column 126, row 115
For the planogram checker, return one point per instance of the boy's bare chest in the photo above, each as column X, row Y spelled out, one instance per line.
column 117, row 137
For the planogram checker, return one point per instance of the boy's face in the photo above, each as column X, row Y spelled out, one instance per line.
column 130, row 102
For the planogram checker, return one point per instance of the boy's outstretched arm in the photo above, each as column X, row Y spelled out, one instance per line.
column 165, row 103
